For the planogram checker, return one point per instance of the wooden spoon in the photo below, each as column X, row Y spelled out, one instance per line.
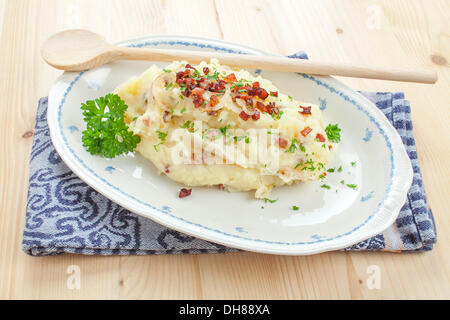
column 76, row 50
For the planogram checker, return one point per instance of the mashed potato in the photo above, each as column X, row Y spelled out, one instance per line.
column 210, row 125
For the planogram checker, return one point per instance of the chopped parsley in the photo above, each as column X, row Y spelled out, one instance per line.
column 292, row 147
column 295, row 208
column 339, row 169
column 237, row 84
column 331, row 170
column 277, row 116
column 325, row 186
column 353, row 186
column 333, row 132
column 167, row 70
column 309, row 165
column 189, row 125
column 161, row 136
column 239, row 138
column 170, row 85
column 197, row 75
column 269, row 200
column 353, row 163
column 302, row 148
column 223, row 130
column 214, row 76
column 183, row 110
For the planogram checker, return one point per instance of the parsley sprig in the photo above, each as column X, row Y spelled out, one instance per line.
column 106, row 132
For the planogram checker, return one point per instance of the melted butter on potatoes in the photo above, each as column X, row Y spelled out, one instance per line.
column 210, row 102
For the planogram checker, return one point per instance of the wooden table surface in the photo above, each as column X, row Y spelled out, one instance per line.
column 390, row 32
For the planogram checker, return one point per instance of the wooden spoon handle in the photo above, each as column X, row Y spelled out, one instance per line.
column 278, row 63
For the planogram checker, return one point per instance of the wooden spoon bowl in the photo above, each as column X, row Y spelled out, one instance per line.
column 76, row 50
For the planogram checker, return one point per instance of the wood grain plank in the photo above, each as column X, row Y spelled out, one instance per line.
column 411, row 33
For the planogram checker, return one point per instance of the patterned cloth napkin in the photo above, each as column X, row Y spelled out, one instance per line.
column 64, row 215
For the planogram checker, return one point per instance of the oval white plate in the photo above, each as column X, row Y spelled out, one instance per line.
column 327, row 219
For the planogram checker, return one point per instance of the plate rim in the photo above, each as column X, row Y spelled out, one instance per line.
column 271, row 247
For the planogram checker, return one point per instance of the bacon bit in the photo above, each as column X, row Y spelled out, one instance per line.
column 166, row 169
column 219, row 86
column 255, row 84
column 274, row 93
column 146, row 121
column 306, row 131
column 275, row 110
column 186, row 73
column 256, row 115
column 248, row 100
column 186, row 93
column 188, row 66
column 204, row 85
column 198, row 101
column 282, row 142
column 213, row 113
column 320, row 137
column 269, row 108
column 198, row 91
column 189, row 82
column 205, row 70
column 330, row 147
column 185, row 192
column 213, row 100
column 305, row 110
column 262, row 93
column 166, row 116
column 180, row 75
column 230, row 78
column 262, row 107
column 244, row 116
column 252, row 91
column 221, row 187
